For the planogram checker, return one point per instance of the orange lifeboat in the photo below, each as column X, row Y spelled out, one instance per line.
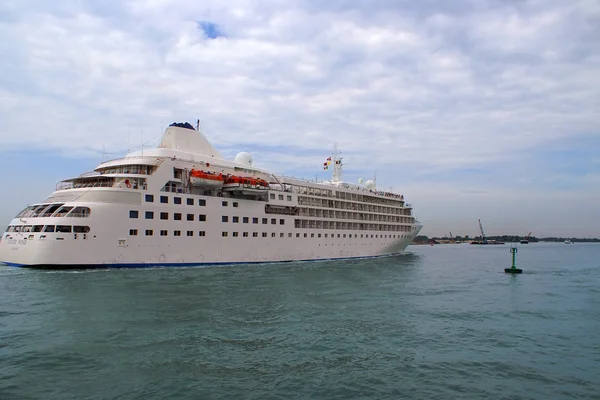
column 206, row 179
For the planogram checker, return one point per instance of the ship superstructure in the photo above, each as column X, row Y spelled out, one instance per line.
column 182, row 203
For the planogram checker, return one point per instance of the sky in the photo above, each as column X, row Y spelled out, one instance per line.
column 471, row 109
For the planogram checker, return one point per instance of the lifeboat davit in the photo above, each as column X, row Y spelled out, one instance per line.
column 206, row 179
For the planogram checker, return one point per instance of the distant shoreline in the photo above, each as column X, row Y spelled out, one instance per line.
column 506, row 239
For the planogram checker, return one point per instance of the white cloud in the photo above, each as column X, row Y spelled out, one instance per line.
column 429, row 86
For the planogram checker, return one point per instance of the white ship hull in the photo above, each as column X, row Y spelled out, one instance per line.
column 297, row 221
column 101, row 246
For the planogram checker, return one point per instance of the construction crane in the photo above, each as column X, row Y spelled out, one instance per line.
column 451, row 238
column 483, row 238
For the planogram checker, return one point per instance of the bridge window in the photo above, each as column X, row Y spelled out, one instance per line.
column 80, row 212
column 63, row 228
column 63, row 211
column 50, row 210
column 38, row 210
column 81, row 229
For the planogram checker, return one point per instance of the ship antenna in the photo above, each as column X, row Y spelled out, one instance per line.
column 198, row 125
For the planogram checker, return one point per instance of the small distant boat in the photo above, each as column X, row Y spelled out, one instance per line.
column 568, row 241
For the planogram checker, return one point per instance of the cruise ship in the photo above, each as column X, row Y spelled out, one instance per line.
column 184, row 204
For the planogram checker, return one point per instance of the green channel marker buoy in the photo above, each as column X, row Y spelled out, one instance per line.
column 513, row 269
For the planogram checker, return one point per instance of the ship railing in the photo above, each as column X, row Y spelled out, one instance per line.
column 346, row 185
column 88, row 174
column 65, row 185
column 300, row 179
column 134, row 158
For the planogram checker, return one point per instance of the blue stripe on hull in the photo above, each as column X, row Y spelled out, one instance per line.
column 196, row 264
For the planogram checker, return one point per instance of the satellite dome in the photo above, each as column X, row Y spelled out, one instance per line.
column 361, row 181
column 370, row 184
column 244, row 158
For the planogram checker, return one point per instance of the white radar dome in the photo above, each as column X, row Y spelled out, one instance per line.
column 370, row 184
column 360, row 180
column 243, row 158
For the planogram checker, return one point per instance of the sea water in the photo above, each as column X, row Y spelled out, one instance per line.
column 441, row 322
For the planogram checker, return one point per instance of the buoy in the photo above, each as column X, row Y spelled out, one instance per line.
column 513, row 269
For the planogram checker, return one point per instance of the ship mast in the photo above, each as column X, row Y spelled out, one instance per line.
column 337, row 164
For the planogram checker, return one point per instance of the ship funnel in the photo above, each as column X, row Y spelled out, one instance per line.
column 183, row 137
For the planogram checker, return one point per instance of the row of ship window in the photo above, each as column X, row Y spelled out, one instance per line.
column 272, row 196
column 134, row 214
column 176, row 200
column 150, row 232
column 165, row 216
column 49, row 228
column 163, row 232
column 190, row 202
